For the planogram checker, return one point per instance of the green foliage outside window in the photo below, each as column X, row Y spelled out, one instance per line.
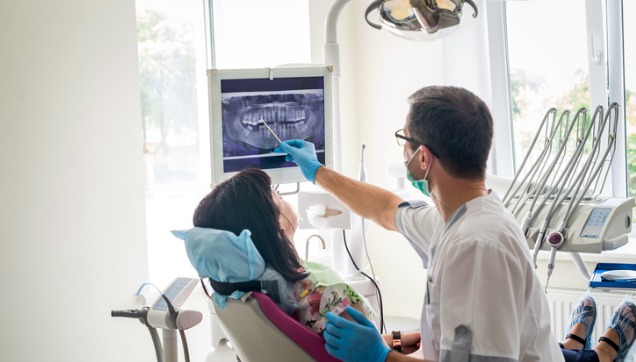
column 167, row 68
column 576, row 97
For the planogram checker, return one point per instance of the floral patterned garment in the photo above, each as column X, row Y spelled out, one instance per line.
column 321, row 292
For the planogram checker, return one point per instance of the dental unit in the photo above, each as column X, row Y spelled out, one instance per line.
column 558, row 199
column 165, row 314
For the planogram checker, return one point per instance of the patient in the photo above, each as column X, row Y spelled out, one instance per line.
column 248, row 202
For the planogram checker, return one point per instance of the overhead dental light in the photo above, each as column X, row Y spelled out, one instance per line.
column 419, row 19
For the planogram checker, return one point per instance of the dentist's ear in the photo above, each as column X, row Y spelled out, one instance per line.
column 422, row 157
column 426, row 157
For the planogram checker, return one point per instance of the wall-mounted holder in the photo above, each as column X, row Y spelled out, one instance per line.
column 320, row 210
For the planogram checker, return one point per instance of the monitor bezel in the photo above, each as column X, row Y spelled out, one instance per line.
column 278, row 175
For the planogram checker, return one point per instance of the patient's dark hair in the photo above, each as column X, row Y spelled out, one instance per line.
column 245, row 201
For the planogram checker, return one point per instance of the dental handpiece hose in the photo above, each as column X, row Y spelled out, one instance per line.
column 142, row 316
column 539, row 242
column 130, row 313
column 363, row 171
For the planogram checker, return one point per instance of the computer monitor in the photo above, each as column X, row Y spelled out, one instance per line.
column 294, row 102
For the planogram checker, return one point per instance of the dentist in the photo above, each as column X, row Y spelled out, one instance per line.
column 483, row 299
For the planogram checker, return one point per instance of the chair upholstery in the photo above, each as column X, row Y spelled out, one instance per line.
column 260, row 331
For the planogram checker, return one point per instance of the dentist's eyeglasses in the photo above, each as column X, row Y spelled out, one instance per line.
column 402, row 139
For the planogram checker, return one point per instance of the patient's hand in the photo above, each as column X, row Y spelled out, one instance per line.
column 356, row 340
column 358, row 307
column 410, row 342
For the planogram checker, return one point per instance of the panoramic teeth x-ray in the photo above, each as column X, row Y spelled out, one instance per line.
column 258, row 113
column 246, row 119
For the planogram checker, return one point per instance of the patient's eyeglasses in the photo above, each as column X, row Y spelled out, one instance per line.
column 402, row 139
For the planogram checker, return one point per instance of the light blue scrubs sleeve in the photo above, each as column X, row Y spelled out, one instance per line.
column 417, row 222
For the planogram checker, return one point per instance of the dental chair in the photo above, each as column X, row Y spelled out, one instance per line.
column 257, row 327
column 260, row 331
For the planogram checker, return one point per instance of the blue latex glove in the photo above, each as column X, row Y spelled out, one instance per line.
column 353, row 342
column 303, row 154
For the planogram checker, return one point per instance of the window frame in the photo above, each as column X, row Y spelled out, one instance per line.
column 616, row 86
column 607, row 82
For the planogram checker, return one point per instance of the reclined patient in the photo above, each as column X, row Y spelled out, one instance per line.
column 244, row 231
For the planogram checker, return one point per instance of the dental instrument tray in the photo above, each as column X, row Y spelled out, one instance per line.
column 614, row 276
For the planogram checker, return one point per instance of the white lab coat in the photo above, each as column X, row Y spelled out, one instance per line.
column 480, row 275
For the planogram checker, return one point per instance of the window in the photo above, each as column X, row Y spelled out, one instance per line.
column 549, row 71
column 173, row 89
column 256, row 34
column 565, row 54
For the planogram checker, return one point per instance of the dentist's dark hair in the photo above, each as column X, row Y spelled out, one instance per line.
column 455, row 123
column 245, row 201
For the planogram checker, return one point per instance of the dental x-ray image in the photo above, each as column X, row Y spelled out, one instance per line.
column 290, row 107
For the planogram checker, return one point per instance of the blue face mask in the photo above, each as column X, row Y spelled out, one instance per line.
column 422, row 184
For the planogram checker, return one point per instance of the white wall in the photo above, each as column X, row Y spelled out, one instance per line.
column 72, row 235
